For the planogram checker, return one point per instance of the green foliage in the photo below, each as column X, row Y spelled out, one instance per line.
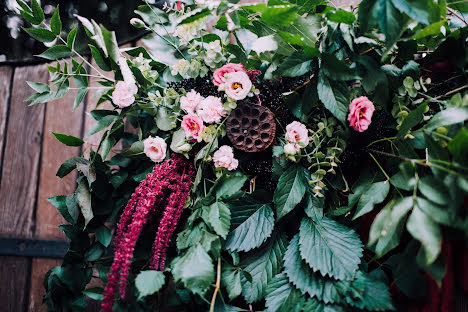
column 68, row 140
column 290, row 190
column 149, row 282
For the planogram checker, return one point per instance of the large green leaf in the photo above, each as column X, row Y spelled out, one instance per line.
column 41, row 34
column 68, row 140
column 194, row 269
column 330, row 248
column 448, row 117
column 425, row 230
column 60, row 202
column 231, row 279
column 412, row 119
column 458, row 147
column 56, row 52
column 252, row 223
column 149, row 282
column 419, row 10
column 375, row 194
column 218, row 216
column 281, row 295
column 375, row 295
column 334, row 96
column 230, row 185
column 290, row 190
column 297, row 64
column 262, row 265
column 336, row 69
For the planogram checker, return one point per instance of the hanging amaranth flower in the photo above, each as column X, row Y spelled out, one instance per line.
column 166, row 188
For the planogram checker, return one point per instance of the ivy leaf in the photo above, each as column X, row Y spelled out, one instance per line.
column 375, row 194
column 334, row 96
column 301, row 275
column 231, row 279
column 282, row 296
column 330, row 248
column 388, row 225
column 195, row 270
column 218, row 216
column 262, row 265
column 290, row 190
column 149, row 282
column 252, row 224
column 68, row 140
column 425, row 230
column 84, row 201
column 297, row 64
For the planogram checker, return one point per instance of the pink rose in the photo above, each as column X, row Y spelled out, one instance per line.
column 193, row 126
column 224, row 157
column 190, row 101
column 238, row 85
column 155, row 148
column 124, row 94
column 211, row 109
column 219, row 74
column 360, row 113
column 297, row 134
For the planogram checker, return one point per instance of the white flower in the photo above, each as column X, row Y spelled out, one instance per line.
column 124, row 94
column 237, row 85
column 263, row 44
column 181, row 67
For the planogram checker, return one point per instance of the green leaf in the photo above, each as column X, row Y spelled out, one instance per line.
column 94, row 293
column 297, row 64
column 431, row 30
column 425, row 230
column 56, row 52
column 60, row 202
column 135, row 149
column 39, row 86
column 110, row 42
column 69, row 165
column 149, row 282
column 178, row 139
column 251, row 225
column 218, row 216
column 231, row 279
column 388, row 225
column 341, row 16
column 199, row 234
column 195, row 270
column 79, row 98
column 192, row 18
column 412, row 119
column 99, row 59
column 336, row 69
column 41, row 34
column 290, row 190
column 458, row 147
column 262, row 265
column 37, row 11
column 448, row 117
column 281, row 295
column 55, row 22
column 84, row 201
column 103, row 235
column 433, row 190
column 71, row 38
column 68, row 140
column 435, row 269
column 375, row 295
column 334, row 96
column 416, row 9
column 281, row 15
column 230, row 185
column 101, row 125
column 163, row 121
column 330, row 248
column 95, row 252
column 375, row 194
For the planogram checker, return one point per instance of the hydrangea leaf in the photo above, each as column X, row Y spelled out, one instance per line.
column 218, row 216
column 252, row 225
column 330, row 248
column 290, row 190
column 149, row 282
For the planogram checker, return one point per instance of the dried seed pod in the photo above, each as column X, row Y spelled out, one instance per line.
column 251, row 127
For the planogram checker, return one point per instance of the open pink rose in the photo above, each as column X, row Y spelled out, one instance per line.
column 193, row 126
column 238, row 85
column 190, row 101
column 211, row 109
column 360, row 113
column 297, row 134
column 224, row 157
column 124, row 94
column 155, row 148
column 219, row 74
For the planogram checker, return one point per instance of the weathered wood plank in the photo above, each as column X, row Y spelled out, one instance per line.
column 14, row 274
column 5, row 91
column 39, row 269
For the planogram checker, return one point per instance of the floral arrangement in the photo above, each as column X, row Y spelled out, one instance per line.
column 292, row 156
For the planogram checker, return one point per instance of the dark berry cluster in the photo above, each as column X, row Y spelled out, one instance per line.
column 203, row 85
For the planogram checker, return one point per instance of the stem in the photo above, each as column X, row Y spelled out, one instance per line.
column 380, row 167
column 218, row 285
column 380, row 140
column 451, row 92
column 452, row 11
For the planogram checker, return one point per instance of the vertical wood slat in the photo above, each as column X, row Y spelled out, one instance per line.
column 18, row 184
column 5, row 91
column 59, row 118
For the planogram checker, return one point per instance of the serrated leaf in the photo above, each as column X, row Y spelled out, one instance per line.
column 290, row 190
column 425, row 230
column 55, row 22
column 230, row 185
column 330, row 248
column 262, row 265
column 334, row 96
column 68, row 140
column 231, row 279
column 149, row 282
column 195, row 270
column 375, row 295
column 282, row 296
column 83, row 197
column 41, row 34
column 375, row 194
column 218, row 216
column 252, row 224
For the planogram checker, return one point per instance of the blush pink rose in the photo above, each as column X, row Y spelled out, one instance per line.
column 190, row 101
column 155, row 148
column 193, row 126
column 360, row 113
column 224, row 157
column 124, row 94
column 219, row 74
column 297, row 134
column 238, row 85
column 211, row 109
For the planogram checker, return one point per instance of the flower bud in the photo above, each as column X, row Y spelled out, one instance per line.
column 138, row 23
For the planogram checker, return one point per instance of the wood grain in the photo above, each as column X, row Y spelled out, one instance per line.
column 14, row 274
column 5, row 90
column 39, row 269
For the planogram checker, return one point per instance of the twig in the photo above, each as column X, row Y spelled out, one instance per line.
column 451, row 92
column 218, row 285
column 452, row 11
